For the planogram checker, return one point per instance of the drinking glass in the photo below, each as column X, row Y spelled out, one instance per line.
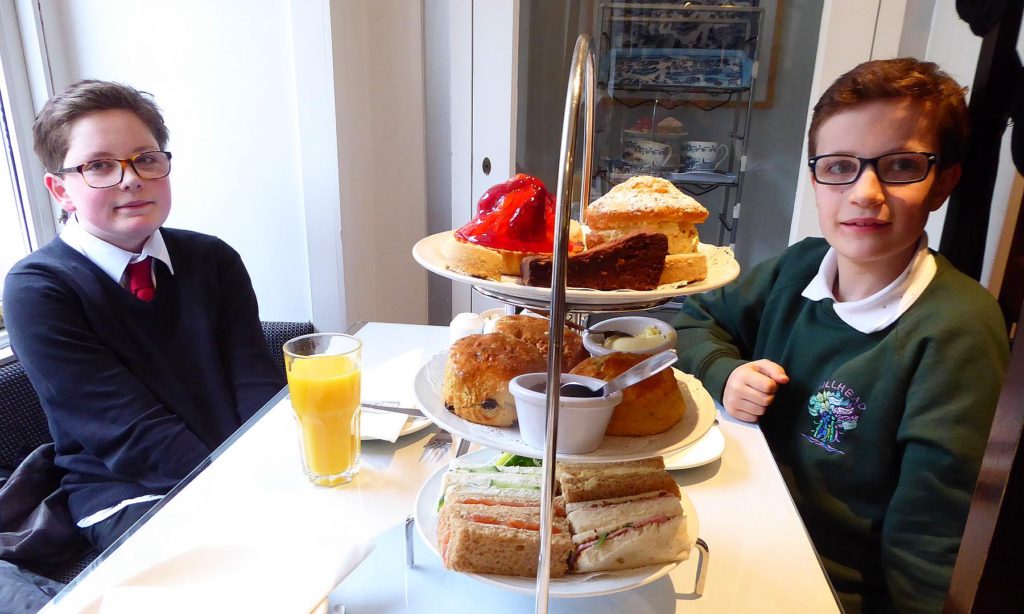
column 323, row 380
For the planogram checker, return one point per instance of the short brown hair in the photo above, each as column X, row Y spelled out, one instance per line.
column 909, row 78
column 53, row 124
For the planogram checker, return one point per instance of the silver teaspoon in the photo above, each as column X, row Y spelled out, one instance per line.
column 637, row 373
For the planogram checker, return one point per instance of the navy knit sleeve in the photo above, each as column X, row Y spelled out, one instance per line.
column 250, row 367
column 93, row 403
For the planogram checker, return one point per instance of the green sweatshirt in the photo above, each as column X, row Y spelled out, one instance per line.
column 879, row 436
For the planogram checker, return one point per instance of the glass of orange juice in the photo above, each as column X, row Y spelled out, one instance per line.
column 323, row 380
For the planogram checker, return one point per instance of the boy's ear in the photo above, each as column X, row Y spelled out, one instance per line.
column 55, row 185
column 945, row 181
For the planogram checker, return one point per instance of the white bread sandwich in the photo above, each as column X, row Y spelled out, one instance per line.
column 652, row 205
column 592, row 481
column 628, row 532
column 499, row 540
column 521, row 484
column 506, row 497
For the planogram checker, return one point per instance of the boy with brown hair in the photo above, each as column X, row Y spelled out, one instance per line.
column 872, row 365
column 144, row 343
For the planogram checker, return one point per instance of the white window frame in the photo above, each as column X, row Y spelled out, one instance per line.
column 25, row 85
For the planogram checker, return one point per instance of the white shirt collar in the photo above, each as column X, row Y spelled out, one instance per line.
column 884, row 307
column 110, row 258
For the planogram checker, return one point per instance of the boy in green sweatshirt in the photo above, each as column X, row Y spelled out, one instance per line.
column 872, row 365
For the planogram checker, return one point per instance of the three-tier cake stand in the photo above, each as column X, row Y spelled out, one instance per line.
column 581, row 89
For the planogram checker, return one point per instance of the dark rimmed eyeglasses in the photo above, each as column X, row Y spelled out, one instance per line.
column 107, row 173
column 898, row 167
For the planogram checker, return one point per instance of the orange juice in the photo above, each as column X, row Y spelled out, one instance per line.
column 325, row 397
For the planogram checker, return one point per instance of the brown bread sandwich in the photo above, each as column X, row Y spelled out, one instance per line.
column 591, row 481
column 498, row 539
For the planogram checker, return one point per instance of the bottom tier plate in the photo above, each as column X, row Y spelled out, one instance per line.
column 425, row 515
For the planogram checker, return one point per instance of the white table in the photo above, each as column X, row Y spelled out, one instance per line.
column 761, row 558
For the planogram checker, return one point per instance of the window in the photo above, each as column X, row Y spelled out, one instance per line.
column 14, row 244
column 27, row 219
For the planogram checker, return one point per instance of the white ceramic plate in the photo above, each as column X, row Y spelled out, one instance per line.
column 707, row 449
column 722, row 268
column 700, row 415
column 425, row 515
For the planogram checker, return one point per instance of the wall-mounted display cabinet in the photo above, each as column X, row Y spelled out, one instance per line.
column 677, row 84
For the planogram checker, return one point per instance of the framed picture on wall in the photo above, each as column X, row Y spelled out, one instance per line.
column 682, row 46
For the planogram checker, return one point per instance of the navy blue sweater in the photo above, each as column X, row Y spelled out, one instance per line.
column 136, row 393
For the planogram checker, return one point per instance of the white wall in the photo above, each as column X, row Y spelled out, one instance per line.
column 297, row 128
column 378, row 74
column 223, row 74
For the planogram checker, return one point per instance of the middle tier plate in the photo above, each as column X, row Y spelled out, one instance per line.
column 722, row 269
column 700, row 415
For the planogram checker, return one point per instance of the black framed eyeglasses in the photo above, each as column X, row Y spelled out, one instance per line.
column 107, row 173
column 898, row 167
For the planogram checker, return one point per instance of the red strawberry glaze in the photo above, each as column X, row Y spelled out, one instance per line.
column 518, row 215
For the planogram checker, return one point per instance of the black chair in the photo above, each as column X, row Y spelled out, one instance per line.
column 277, row 333
column 23, row 426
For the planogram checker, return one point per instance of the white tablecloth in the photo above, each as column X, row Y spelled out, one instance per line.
column 255, row 493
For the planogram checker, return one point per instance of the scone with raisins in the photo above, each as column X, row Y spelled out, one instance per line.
column 477, row 373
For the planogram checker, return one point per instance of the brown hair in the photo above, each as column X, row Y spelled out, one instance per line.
column 909, row 78
column 53, row 124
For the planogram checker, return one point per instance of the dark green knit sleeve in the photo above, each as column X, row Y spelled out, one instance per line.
column 951, row 399
column 717, row 331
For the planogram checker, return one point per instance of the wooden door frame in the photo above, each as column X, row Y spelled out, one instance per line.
column 986, row 577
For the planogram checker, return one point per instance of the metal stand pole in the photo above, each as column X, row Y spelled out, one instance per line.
column 581, row 85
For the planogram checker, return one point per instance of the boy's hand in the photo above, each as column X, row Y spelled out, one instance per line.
column 751, row 388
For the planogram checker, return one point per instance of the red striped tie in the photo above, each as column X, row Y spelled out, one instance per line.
column 140, row 279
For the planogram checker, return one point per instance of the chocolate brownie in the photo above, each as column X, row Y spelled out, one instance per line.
column 633, row 262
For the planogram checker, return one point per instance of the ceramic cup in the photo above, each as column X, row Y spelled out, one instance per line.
column 646, row 153
column 704, row 155
column 672, row 139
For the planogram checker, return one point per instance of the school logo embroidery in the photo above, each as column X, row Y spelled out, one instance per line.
column 837, row 409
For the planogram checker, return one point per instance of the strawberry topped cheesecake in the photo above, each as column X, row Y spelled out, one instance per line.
column 514, row 219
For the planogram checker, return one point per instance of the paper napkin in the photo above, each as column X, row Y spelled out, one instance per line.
column 291, row 577
column 386, row 425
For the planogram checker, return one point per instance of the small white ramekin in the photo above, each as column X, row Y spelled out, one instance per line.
column 632, row 325
column 581, row 422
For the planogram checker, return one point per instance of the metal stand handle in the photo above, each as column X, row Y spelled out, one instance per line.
column 702, row 566
column 581, row 85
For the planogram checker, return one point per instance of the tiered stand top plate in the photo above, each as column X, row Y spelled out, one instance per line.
column 722, row 269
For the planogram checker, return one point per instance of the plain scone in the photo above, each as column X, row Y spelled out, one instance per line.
column 649, row 407
column 652, row 205
column 535, row 332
